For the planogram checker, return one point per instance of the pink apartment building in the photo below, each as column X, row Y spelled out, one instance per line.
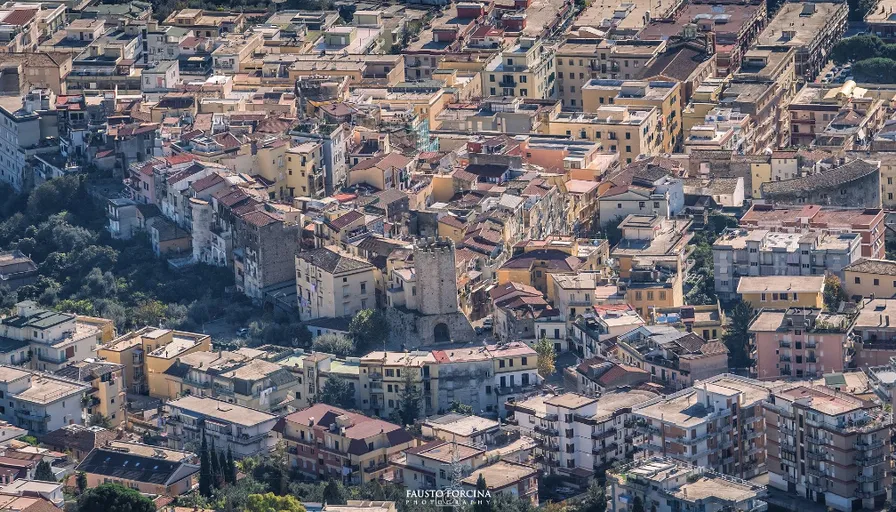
column 800, row 342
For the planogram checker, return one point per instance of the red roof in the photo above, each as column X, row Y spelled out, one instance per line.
column 20, row 16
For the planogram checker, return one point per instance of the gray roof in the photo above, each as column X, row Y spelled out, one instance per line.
column 333, row 262
column 833, row 178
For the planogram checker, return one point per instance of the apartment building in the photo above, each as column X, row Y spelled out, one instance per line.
column 159, row 474
column 145, row 356
column 628, row 131
column 242, row 430
column 466, row 429
column 654, row 284
column 717, row 424
column 649, row 192
column 383, row 376
column 739, row 253
column 305, row 170
column 667, row 485
column 829, row 447
column 651, row 238
column 663, row 94
column 874, row 330
column 575, row 434
column 45, row 339
column 811, row 28
column 867, row 222
column 782, row 291
column 579, row 60
column 505, row 477
column 819, row 111
column 434, row 465
column 333, row 284
column 106, row 396
column 323, row 441
column 526, row 70
column 40, row 402
column 800, row 342
column 673, row 358
column 868, row 277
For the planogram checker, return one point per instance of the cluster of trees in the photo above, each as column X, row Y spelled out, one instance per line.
column 215, row 468
column 113, row 498
column 368, row 330
column 875, row 60
column 703, row 285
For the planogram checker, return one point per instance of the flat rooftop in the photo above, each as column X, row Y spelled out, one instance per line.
column 463, row 426
column 222, row 411
column 46, row 390
column 501, row 474
column 805, row 22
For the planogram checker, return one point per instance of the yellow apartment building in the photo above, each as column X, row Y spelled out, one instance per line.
column 105, row 326
column 628, row 131
column 133, row 351
column 870, row 277
column 107, row 394
column 782, row 292
column 305, row 170
column 524, row 71
column 658, row 285
column 664, row 95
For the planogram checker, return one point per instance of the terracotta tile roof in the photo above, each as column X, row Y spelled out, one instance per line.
column 20, row 16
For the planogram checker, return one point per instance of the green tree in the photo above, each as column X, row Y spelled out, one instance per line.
column 637, row 504
column 409, row 399
column 595, row 499
column 205, row 470
column 612, row 231
column 335, row 344
column 877, row 70
column 834, row 293
column 547, row 357
column 44, row 472
column 29, row 439
column 737, row 337
column 270, row 502
column 222, row 467
column 334, row 493
column 481, row 504
column 98, row 420
column 460, row 408
column 862, row 46
column 337, row 392
column 215, row 466
column 114, row 498
column 230, row 474
column 81, row 482
column 369, row 329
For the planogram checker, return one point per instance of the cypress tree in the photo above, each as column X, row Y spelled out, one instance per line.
column 215, row 466
column 222, row 463
column 230, row 475
column 205, row 477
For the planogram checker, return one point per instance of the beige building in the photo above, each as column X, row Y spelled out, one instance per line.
column 244, row 431
column 716, row 424
column 107, row 394
column 325, row 441
column 526, row 71
column 829, row 447
column 870, row 277
column 135, row 350
column 305, row 170
column 333, row 284
column 663, row 94
column 628, row 131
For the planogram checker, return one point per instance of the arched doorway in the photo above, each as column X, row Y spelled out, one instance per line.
column 441, row 333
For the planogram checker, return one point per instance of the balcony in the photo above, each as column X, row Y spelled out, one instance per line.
column 784, row 359
column 867, row 495
column 32, row 415
column 507, row 83
column 784, row 344
column 603, row 450
column 875, row 476
column 378, row 467
column 548, row 431
column 785, row 429
column 869, row 445
column 869, row 460
column 603, row 435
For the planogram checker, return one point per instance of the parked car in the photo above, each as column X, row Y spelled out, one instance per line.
column 242, row 333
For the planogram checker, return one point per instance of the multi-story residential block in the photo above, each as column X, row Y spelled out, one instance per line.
column 800, row 342
column 628, row 131
column 323, row 441
column 134, row 350
column 580, row 59
column 436, row 464
column 471, row 430
column 40, row 402
column 868, row 222
column 673, row 358
column 305, row 170
column 717, row 424
column 107, row 396
column 264, row 243
column 651, row 238
column 575, row 434
column 874, row 332
column 161, row 476
column 811, row 28
column 526, row 70
column 242, row 430
column 333, row 284
column 740, row 253
column 668, row 485
column 869, row 277
column 597, row 376
column 821, row 111
column 47, row 340
column 782, row 291
column 828, row 446
column 664, row 94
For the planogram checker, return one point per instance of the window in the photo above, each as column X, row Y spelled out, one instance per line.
column 525, row 361
column 876, row 282
column 858, row 280
column 491, row 78
column 500, row 363
column 522, row 79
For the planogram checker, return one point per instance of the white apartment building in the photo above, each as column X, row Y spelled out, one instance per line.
column 718, row 424
column 39, row 402
column 332, row 284
column 49, row 339
column 245, row 431
column 760, row 252
column 577, row 434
